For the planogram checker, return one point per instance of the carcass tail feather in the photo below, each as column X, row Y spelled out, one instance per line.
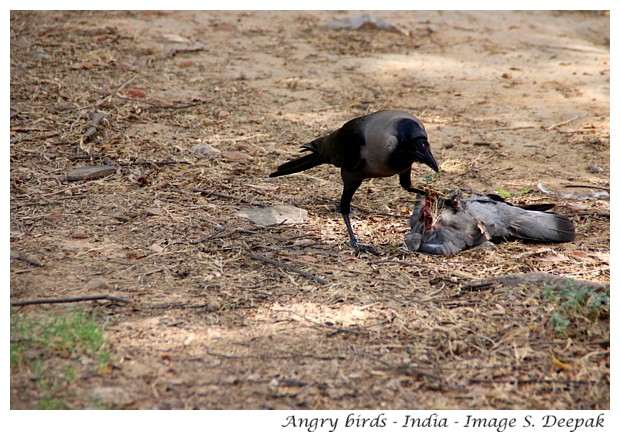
column 543, row 226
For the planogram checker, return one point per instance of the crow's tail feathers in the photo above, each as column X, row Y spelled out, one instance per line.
column 300, row 164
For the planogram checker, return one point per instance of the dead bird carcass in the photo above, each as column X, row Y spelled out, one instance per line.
column 446, row 226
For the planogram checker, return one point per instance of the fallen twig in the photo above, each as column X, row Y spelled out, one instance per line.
column 284, row 356
column 227, row 196
column 175, row 50
column 19, row 256
column 478, row 286
column 106, row 97
column 222, row 234
column 587, row 186
column 572, row 48
column 532, row 278
column 287, row 267
column 160, row 163
column 68, row 300
column 134, row 162
column 604, row 214
column 405, row 369
column 525, row 127
column 562, row 123
column 91, row 156
column 90, row 172
column 91, row 129
column 164, row 106
column 335, row 331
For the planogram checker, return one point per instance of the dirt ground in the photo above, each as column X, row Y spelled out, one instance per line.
column 509, row 99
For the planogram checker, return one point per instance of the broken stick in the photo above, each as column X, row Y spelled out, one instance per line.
column 287, row 267
column 68, row 300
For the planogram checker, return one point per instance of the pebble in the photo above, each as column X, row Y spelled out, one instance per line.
column 576, row 206
column 274, row 215
column 595, row 169
column 236, row 156
column 110, row 396
column 90, row 172
column 206, row 150
column 97, row 283
column 79, row 234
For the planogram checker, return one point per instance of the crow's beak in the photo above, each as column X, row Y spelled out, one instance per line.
column 423, row 154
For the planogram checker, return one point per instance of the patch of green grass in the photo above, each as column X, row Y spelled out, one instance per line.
column 432, row 177
column 504, row 193
column 525, row 191
column 47, row 402
column 576, row 305
column 65, row 336
column 51, row 350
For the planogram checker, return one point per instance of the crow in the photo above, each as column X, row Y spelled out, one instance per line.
column 380, row 144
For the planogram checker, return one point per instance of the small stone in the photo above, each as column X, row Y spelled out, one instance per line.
column 595, row 169
column 157, row 248
column 153, row 211
column 110, row 396
column 90, row 172
column 236, row 156
column 173, row 38
column 488, row 246
column 213, row 305
column 576, row 206
column 97, row 283
column 79, row 235
column 305, row 242
column 274, row 215
column 206, row 150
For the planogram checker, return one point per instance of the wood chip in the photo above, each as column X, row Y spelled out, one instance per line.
column 91, row 172
column 273, row 215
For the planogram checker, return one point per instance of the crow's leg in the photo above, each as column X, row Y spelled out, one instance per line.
column 350, row 186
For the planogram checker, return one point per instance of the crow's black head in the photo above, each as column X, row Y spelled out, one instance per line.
column 413, row 143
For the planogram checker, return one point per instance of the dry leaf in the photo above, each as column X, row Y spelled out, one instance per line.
column 553, row 256
column 308, row 258
column 173, row 38
column 236, row 156
column 561, row 365
column 82, row 66
column 157, row 248
column 136, row 93
column 602, row 256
